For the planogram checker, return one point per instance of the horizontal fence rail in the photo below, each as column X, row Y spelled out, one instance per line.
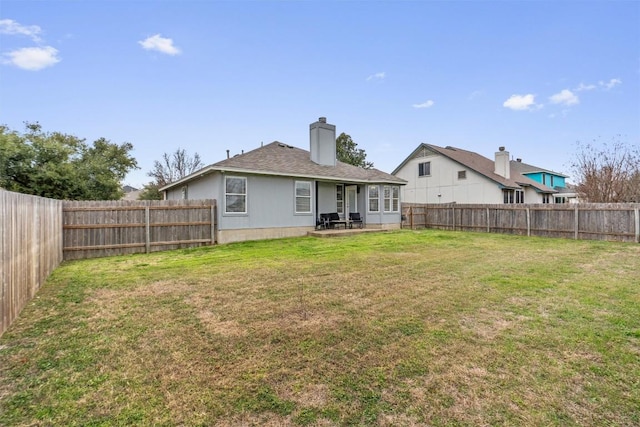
column 585, row 221
column 30, row 249
column 104, row 228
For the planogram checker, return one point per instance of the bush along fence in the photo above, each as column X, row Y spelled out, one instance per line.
column 105, row 228
column 616, row 222
column 30, row 249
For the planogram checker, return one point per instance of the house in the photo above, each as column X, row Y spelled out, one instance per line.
column 279, row 190
column 453, row 175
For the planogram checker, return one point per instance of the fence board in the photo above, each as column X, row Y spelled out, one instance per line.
column 618, row 222
column 30, row 249
column 104, row 228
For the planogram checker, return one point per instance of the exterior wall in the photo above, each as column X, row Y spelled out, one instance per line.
column 558, row 181
column 326, row 197
column 207, row 187
column 380, row 218
column 270, row 203
column 443, row 185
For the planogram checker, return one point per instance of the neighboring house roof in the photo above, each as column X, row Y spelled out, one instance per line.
column 284, row 160
column 524, row 168
column 481, row 165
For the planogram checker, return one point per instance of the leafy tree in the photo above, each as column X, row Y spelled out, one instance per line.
column 150, row 192
column 607, row 173
column 171, row 168
column 62, row 166
column 348, row 152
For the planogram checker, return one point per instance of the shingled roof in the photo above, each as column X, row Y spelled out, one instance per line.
column 281, row 159
column 481, row 165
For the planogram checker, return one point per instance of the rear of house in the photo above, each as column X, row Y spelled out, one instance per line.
column 279, row 190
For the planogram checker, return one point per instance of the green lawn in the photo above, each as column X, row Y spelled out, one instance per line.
column 391, row 329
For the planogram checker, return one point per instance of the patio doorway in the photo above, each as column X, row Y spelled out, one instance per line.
column 351, row 199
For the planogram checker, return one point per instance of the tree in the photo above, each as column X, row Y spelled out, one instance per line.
column 347, row 152
column 174, row 167
column 62, row 166
column 171, row 168
column 607, row 173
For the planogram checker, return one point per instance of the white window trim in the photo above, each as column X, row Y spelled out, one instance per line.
column 245, row 194
column 296, row 196
column 340, row 209
column 377, row 187
column 390, row 199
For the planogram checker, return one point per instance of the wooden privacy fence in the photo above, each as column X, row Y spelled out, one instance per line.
column 619, row 222
column 105, row 228
column 30, row 249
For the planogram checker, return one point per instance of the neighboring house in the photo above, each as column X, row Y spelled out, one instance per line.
column 280, row 191
column 446, row 175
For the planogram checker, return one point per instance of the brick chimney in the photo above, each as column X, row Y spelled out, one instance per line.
column 323, row 142
column 502, row 166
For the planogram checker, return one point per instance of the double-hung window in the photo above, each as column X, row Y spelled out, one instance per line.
column 374, row 198
column 339, row 199
column 235, row 194
column 391, row 198
column 303, row 197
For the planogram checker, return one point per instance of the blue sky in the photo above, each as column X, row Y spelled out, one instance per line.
column 532, row 76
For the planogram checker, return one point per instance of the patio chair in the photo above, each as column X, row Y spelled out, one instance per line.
column 355, row 218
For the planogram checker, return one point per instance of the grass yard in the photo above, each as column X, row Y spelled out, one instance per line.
column 390, row 329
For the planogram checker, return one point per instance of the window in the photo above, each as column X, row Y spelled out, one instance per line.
column 545, row 198
column 391, row 198
column 544, row 179
column 374, row 198
column 424, row 169
column 395, row 199
column 303, row 197
column 513, row 196
column 462, row 174
column 560, row 200
column 185, row 192
column 235, row 194
column 339, row 199
column 551, row 181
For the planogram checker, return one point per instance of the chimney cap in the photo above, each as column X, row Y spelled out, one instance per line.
column 501, row 148
column 322, row 120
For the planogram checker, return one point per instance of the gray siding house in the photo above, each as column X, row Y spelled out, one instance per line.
column 279, row 190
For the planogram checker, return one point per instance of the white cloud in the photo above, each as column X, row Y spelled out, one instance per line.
column 610, row 84
column 33, row 58
column 376, row 76
column 582, row 87
column 11, row 27
column 564, row 97
column 160, row 44
column 521, row 102
column 426, row 104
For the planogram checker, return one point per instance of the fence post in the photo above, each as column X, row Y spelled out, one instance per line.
column 575, row 223
column 528, row 222
column 637, row 215
column 453, row 218
column 147, row 230
column 488, row 222
column 213, row 224
column 411, row 217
